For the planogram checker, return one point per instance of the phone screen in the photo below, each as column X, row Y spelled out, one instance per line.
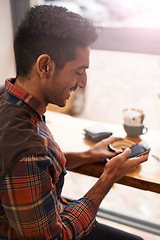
column 139, row 149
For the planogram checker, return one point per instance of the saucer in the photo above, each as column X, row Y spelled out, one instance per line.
column 117, row 145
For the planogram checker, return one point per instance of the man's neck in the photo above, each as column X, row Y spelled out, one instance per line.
column 29, row 85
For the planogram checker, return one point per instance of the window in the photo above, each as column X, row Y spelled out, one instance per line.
column 124, row 72
column 125, row 61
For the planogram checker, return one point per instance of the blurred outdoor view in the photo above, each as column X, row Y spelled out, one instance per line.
column 122, row 74
column 109, row 13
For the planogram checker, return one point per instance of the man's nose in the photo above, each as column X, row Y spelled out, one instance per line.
column 83, row 80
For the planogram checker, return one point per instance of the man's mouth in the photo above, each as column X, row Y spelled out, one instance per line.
column 73, row 89
column 69, row 94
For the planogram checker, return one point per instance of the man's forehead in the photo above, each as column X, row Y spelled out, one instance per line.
column 81, row 60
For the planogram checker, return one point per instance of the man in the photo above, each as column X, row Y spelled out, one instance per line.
column 52, row 49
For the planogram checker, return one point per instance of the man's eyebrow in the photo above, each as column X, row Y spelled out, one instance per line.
column 83, row 67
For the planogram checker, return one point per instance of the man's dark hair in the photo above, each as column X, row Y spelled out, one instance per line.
column 52, row 30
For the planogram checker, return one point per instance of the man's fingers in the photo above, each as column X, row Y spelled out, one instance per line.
column 126, row 153
column 141, row 159
column 113, row 139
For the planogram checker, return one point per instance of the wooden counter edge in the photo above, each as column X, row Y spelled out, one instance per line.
column 96, row 169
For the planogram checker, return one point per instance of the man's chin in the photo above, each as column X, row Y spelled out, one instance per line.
column 62, row 104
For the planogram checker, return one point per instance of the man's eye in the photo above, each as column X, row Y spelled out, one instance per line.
column 79, row 73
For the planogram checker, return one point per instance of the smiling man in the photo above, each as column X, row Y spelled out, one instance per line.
column 55, row 86
column 52, row 47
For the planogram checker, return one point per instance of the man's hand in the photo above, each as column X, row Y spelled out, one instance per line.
column 120, row 165
column 96, row 153
column 115, row 169
column 100, row 150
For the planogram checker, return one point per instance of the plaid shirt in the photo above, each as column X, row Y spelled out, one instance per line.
column 31, row 205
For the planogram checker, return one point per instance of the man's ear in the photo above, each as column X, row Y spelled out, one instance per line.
column 44, row 66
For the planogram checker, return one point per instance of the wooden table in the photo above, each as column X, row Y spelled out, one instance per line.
column 68, row 133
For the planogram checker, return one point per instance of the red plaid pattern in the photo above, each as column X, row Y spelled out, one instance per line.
column 30, row 207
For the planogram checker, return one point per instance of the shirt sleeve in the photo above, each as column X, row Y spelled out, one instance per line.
column 29, row 199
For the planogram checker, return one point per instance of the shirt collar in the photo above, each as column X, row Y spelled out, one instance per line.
column 24, row 96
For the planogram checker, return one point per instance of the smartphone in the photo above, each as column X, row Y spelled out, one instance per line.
column 139, row 149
